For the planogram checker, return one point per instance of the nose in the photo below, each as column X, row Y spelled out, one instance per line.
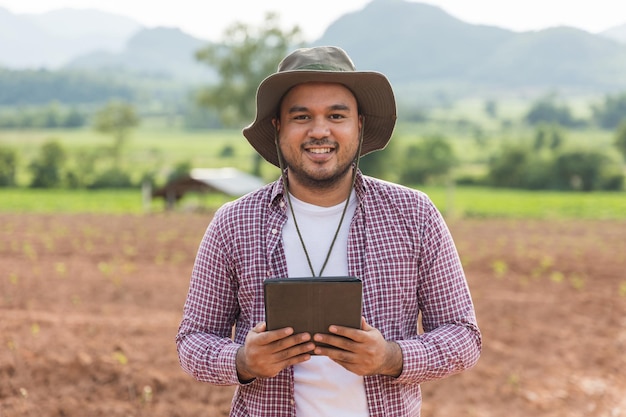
column 319, row 128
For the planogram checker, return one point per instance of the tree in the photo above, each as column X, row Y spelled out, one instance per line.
column 379, row 163
column 579, row 170
column 547, row 110
column 509, row 168
column 491, row 108
column 548, row 136
column 116, row 118
column 47, row 168
column 430, row 159
column 620, row 139
column 612, row 112
column 242, row 60
column 8, row 166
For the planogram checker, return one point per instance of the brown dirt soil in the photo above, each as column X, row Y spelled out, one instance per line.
column 90, row 305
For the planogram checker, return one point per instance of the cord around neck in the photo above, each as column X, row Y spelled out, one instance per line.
column 345, row 208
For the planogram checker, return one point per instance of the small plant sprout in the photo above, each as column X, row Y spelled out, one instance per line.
column 147, row 394
column 12, row 345
column 105, row 268
column 29, row 252
column 499, row 268
column 557, row 277
column 120, row 357
column 60, row 268
column 75, row 300
column 577, row 282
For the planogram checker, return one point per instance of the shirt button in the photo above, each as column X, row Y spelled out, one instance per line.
column 274, row 231
column 282, row 204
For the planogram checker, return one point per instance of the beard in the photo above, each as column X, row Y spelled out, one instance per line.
column 323, row 180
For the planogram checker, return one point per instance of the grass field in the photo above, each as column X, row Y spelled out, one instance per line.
column 453, row 202
column 158, row 149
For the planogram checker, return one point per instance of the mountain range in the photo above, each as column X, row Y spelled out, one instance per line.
column 414, row 44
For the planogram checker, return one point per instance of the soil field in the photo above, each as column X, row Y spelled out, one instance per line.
column 90, row 305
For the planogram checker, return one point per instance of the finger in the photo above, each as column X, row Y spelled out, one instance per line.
column 347, row 332
column 335, row 342
column 271, row 336
column 342, row 355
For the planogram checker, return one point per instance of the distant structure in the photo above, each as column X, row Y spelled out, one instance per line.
column 229, row 181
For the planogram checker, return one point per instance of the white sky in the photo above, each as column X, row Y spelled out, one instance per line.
column 207, row 19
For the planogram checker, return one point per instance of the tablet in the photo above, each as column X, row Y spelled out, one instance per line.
column 312, row 304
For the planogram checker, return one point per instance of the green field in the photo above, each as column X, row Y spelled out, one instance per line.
column 157, row 148
column 454, row 203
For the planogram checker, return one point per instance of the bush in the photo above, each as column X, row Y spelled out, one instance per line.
column 546, row 110
column 8, row 167
column 427, row 161
column 378, row 164
column 584, row 170
column 610, row 114
column 112, row 178
column 510, row 167
column 47, row 168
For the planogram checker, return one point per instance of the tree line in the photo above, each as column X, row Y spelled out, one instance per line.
column 542, row 163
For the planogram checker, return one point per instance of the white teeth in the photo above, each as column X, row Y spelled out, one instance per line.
column 322, row 150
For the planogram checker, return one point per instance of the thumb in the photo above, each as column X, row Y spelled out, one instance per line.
column 364, row 326
column 260, row 327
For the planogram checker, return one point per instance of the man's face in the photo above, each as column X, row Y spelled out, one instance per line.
column 318, row 133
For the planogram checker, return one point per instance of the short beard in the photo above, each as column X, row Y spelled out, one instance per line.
column 320, row 184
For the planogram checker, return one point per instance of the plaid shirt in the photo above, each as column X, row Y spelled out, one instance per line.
column 398, row 244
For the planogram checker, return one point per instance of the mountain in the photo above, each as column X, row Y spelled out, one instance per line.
column 420, row 47
column 51, row 39
column 410, row 41
column 415, row 43
column 160, row 52
column 556, row 57
column 617, row 33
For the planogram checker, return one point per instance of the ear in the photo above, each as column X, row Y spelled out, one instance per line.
column 276, row 123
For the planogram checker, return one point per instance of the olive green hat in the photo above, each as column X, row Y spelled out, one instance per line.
column 372, row 90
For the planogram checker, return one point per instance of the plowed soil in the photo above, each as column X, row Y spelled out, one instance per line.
column 90, row 305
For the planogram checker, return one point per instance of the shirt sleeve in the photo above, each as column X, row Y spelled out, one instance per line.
column 204, row 344
column 451, row 341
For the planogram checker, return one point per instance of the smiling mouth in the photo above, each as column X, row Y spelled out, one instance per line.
column 320, row 150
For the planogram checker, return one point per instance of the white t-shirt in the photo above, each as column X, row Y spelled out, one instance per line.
column 322, row 387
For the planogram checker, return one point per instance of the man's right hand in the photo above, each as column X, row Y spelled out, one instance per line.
column 266, row 353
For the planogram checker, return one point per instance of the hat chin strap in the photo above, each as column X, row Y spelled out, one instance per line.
column 283, row 173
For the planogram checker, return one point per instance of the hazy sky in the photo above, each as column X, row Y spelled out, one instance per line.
column 208, row 18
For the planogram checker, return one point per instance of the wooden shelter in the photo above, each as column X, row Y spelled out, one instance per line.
column 229, row 181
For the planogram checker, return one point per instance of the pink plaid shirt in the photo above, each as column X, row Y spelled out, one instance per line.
column 398, row 244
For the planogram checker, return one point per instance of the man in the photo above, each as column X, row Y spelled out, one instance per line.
column 315, row 117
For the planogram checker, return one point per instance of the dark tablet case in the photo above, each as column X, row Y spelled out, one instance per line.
column 313, row 304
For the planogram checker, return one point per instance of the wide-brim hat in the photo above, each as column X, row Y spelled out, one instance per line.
column 372, row 90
